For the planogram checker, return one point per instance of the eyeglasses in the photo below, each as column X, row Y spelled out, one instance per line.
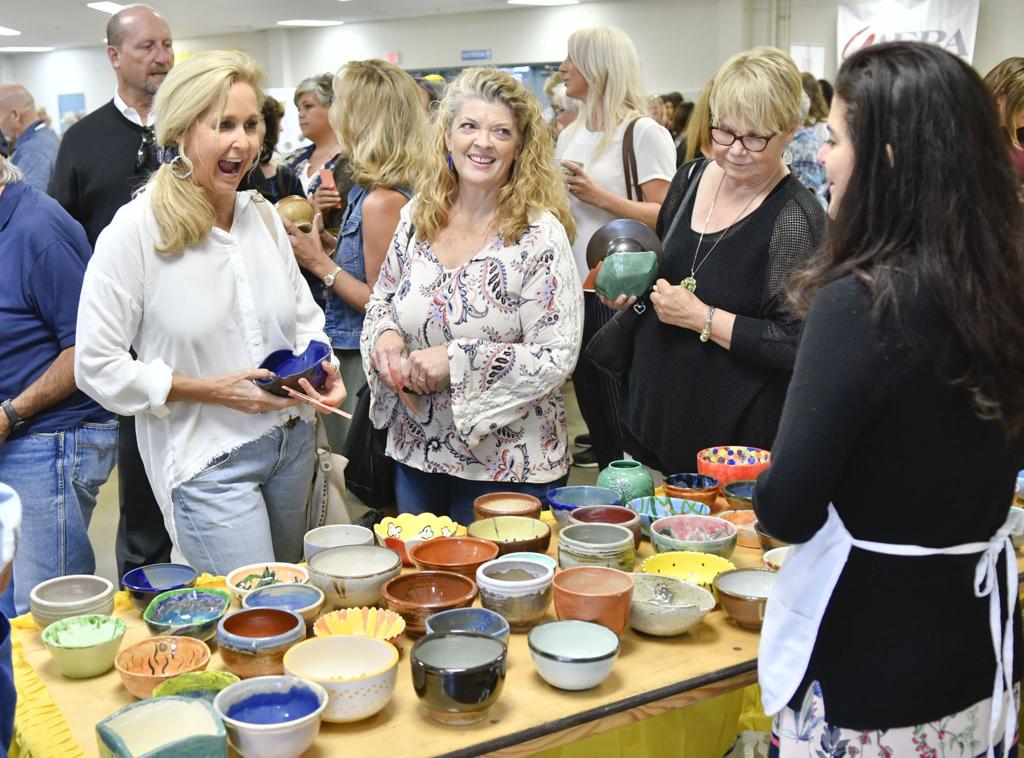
column 145, row 154
column 755, row 143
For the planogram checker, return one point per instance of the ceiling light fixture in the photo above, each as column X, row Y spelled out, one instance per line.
column 6, row 31
column 25, row 50
column 543, row 2
column 110, row 8
column 309, row 22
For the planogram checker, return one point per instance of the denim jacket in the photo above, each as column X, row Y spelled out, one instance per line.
column 345, row 323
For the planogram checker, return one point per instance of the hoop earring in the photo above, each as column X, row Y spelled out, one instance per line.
column 787, row 156
column 183, row 165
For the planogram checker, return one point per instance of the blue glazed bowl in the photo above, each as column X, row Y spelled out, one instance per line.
column 565, row 499
column 146, row 582
column 650, row 509
column 189, row 612
column 740, row 494
column 472, row 620
column 288, row 368
column 271, row 716
column 304, row 599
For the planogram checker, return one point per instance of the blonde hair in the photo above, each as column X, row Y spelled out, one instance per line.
column 1006, row 83
column 380, row 123
column 608, row 62
column 698, row 130
column 534, row 185
column 196, row 86
column 817, row 109
column 760, row 88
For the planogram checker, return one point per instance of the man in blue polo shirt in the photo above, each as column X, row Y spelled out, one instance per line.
column 57, row 446
column 33, row 144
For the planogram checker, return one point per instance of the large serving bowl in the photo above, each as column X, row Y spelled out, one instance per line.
column 609, row 514
column 513, row 533
column 744, row 594
column 401, row 532
column 650, row 509
column 562, row 500
column 518, row 590
column 469, row 620
column 697, row 534
column 146, row 582
column 573, row 655
column 199, row 684
column 729, row 463
column 334, row 535
column 352, row 577
column 699, row 487
column 72, row 595
column 272, row 716
column 743, row 520
column 695, row 568
column 419, row 595
column 192, row 612
column 596, row 545
column 740, row 494
column 84, row 646
column 148, row 663
column 767, row 541
column 506, row 504
column 594, row 593
column 358, row 673
column 461, row 555
column 304, row 599
column 665, row 606
column 361, row 622
column 167, row 727
column 458, row 676
column 245, row 579
column 253, row 641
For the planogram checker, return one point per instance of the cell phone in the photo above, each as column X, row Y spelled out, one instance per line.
column 327, row 182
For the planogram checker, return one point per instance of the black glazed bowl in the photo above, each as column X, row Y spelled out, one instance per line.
column 458, row 676
column 288, row 368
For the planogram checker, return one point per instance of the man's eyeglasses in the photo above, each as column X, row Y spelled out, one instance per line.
column 144, row 157
column 755, row 143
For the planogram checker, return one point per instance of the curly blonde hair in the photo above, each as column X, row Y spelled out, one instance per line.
column 1006, row 82
column 534, row 184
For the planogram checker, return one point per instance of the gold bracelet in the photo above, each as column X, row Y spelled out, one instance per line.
column 705, row 333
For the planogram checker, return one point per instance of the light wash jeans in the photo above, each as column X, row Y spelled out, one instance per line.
column 248, row 505
column 57, row 477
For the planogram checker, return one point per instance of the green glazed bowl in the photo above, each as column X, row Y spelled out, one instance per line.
column 84, row 646
column 196, row 684
column 630, row 274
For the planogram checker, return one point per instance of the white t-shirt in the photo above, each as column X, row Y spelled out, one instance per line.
column 655, row 159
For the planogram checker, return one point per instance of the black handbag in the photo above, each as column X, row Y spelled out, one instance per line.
column 370, row 474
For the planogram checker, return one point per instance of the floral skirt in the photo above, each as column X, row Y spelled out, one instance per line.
column 806, row 733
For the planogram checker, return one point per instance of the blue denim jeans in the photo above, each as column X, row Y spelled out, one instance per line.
column 248, row 505
column 57, row 477
column 445, row 495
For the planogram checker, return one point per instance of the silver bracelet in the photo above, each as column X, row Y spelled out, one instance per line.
column 705, row 333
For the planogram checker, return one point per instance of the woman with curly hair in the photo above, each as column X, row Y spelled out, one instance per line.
column 1006, row 82
column 476, row 319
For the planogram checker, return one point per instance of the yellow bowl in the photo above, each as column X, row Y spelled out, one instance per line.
column 695, row 568
column 360, row 622
column 407, row 529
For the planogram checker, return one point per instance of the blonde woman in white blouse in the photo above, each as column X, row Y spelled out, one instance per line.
column 202, row 284
column 476, row 318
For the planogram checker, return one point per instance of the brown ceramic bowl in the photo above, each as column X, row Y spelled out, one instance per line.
column 703, row 489
column 744, row 594
column 424, row 593
column 145, row 665
column 506, row 504
column 513, row 534
column 767, row 541
column 463, row 555
column 608, row 514
column 298, row 210
column 594, row 593
column 253, row 641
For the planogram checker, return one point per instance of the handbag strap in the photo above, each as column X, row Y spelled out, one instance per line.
column 691, row 188
column 629, row 168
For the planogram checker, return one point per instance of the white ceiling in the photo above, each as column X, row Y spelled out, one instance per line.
column 69, row 23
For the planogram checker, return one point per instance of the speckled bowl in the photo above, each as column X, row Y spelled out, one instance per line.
column 146, row 582
column 665, row 606
column 148, row 663
column 84, row 646
column 192, row 612
column 698, row 534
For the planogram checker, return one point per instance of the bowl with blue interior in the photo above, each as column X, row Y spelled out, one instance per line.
column 289, row 367
column 192, row 612
column 146, row 582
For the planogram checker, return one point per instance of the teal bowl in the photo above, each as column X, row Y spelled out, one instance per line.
column 166, row 727
column 650, row 509
column 192, row 612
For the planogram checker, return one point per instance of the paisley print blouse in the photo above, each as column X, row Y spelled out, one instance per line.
column 512, row 320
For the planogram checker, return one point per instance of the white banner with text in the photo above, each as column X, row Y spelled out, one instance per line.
column 950, row 24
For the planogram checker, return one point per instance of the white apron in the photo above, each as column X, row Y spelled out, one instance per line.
column 797, row 601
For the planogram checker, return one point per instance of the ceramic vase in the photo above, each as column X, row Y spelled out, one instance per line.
column 630, row 479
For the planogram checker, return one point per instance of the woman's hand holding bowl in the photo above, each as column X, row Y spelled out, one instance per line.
column 426, row 370
column 334, row 392
column 237, row 390
column 677, row 306
column 308, row 247
column 618, row 304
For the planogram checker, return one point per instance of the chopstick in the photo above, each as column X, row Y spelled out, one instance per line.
column 313, row 401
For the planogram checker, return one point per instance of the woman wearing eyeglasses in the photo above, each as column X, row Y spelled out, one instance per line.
column 714, row 352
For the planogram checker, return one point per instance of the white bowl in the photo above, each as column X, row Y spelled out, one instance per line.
column 334, row 535
column 776, row 557
column 73, row 595
column 352, row 577
column 666, row 605
column 287, row 739
column 1016, row 522
column 573, row 655
column 284, row 573
column 164, row 726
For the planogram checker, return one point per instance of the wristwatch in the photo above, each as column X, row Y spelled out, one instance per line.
column 15, row 422
column 329, row 279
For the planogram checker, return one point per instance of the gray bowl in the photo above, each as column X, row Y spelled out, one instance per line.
column 665, row 606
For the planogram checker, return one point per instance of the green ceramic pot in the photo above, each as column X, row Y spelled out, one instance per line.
column 630, row 274
column 631, row 479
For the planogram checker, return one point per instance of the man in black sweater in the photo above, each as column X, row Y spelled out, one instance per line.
column 103, row 159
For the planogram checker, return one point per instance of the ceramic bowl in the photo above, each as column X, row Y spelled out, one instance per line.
column 1016, row 521
column 596, row 545
column 148, row 663
column 520, row 591
column 730, row 463
column 565, row 499
column 400, row 533
column 506, row 504
column 664, row 606
column 695, row 568
column 703, row 489
column 776, row 558
column 271, row 716
column 461, row 555
column 253, row 641
column 542, row 558
column 650, row 509
column 200, row 684
column 470, row 620
column 698, row 534
column 513, row 533
column 573, row 655
column 594, row 593
column 289, row 367
column 84, row 646
column 609, row 514
column 192, row 612
column 740, row 494
column 244, row 580
column 72, row 595
column 627, row 273
column 744, row 594
column 304, row 599
column 352, row 577
column 298, row 210
column 418, row 595
column 767, row 541
column 168, row 727
column 361, row 622
column 358, row 673
column 744, row 523
column 334, row 535
column 146, row 582
column 458, row 676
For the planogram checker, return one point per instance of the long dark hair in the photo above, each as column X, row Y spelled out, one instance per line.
column 932, row 202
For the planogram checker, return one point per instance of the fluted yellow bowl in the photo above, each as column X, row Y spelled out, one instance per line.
column 361, row 622
column 695, row 568
column 400, row 533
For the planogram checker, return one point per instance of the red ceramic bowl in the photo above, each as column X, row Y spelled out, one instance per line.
column 506, row 504
column 421, row 594
column 608, row 514
column 463, row 555
column 728, row 463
